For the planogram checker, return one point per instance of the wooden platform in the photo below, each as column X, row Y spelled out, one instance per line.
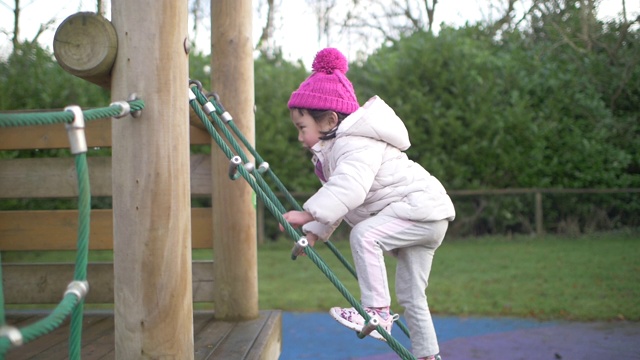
column 255, row 339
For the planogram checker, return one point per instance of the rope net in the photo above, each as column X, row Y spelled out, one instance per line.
column 72, row 303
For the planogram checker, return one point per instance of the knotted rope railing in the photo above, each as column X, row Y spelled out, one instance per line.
column 72, row 302
column 240, row 166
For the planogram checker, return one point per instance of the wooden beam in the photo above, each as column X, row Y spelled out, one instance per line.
column 234, row 214
column 151, row 189
column 85, row 45
column 56, row 177
column 44, row 283
column 57, row 230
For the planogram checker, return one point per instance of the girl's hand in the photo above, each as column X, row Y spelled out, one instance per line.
column 296, row 218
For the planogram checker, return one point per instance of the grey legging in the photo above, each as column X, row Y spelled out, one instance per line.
column 414, row 244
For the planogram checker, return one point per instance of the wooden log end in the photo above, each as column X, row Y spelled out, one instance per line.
column 85, row 45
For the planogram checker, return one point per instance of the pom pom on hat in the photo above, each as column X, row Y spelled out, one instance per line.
column 327, row 88
column 328, row 60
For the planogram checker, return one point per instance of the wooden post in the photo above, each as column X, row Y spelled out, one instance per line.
column 539, row 215
column 151, row 189
column 260, row 221
column 234, row 216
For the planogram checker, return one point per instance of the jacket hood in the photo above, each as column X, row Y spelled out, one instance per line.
column 376, row 120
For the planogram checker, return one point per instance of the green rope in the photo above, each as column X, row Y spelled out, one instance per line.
column 220, row 111
column 270, row 201
column 71, row 304
column 255, row 172
column 243, row 172
column 82, row 251
column 43, row 326
column 58, row 117
column 2, row 315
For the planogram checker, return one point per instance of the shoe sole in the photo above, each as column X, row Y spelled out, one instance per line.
column 335, row 313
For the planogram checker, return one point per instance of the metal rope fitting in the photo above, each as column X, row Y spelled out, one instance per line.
column 209, row 108
column 79, row 288
column 217, row 98
column 249, row 167
column 75, row 130
column 263, row 168
column 368, row 327
column 13, row 334
column 133, row 97
column 126, row 108
column 196, row 83
column 299, row 247
column 226, row 116
column 192, row 95
column 234, row 162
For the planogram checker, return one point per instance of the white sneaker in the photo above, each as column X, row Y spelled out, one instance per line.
column 350, row 318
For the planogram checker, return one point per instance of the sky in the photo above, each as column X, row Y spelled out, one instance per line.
column 297, row 21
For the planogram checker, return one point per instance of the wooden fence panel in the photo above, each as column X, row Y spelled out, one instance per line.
column 57, row 230
column 45, row 283
column 56, row 177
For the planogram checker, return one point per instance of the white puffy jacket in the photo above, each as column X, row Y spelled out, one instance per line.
column 368, row 173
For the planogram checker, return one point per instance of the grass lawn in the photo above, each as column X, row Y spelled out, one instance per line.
column 593, row 277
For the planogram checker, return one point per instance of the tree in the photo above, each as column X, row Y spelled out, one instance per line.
column 31, row 79
column 15, row 38
column 372, row 22
column 264, row 44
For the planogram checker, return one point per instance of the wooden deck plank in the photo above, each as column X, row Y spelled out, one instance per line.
column 269, row 344
column 209, row 337
column 54, row 345
column 241, row 340
column 57, row 348
column 102, row 343
column 255, row 339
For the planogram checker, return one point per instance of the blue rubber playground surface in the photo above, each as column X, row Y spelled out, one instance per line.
column 318, row 336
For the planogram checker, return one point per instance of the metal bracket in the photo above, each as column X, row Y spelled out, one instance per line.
column 234, row 162
column 136, row 114
column 126, row 108
column 368, row 327
column 13, row 334
column 298, row 248
column 79, row 288
column 75, row 130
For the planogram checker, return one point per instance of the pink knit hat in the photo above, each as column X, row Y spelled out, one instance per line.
column 327, row 88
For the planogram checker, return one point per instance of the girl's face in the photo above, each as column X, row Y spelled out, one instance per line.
column 309, row 131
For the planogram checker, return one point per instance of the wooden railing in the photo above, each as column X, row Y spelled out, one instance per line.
column 48, row 230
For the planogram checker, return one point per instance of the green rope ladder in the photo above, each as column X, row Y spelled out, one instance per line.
column 210, row 105
column 72, row 302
